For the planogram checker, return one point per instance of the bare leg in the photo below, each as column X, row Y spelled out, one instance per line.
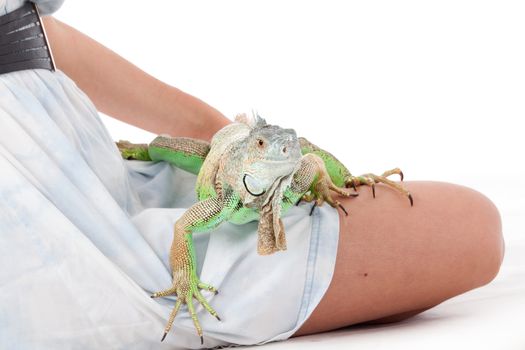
column 394, row 261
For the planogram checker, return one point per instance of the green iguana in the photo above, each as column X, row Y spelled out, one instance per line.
column 251, row 170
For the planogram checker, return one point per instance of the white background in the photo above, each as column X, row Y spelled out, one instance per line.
column 435, row 88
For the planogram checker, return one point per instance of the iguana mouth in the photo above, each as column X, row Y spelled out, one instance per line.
column 247, row 189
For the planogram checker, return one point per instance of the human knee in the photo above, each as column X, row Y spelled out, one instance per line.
column 485, row 235
column 495, row 248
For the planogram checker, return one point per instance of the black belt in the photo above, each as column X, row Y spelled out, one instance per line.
column 23, row 41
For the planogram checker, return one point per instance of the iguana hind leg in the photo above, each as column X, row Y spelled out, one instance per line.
column 137, row 151
column 183, row 152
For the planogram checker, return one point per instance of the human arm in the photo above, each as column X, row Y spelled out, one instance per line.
column 123, row 91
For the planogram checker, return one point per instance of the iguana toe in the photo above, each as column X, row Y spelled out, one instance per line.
column 186, row 290
column 371, row 179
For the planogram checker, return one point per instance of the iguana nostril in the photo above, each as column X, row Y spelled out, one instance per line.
column 284, row 149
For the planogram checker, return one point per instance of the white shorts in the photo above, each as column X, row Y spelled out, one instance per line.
column 85, row 238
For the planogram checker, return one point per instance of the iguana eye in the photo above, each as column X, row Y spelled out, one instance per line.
column 284, row 149
column 260, row 142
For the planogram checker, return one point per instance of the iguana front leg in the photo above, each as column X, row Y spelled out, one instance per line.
column 313, row 177
column 202, row 216
column 342, row 177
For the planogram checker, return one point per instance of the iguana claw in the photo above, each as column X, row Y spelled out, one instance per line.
column 372, row 179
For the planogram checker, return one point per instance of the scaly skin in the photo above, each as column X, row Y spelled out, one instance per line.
column 250, row 171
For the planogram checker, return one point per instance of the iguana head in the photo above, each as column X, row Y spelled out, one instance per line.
column 258, row 162
column 272, row 153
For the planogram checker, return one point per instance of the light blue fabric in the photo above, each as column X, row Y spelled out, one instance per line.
column 85, row 237
column 45, row 7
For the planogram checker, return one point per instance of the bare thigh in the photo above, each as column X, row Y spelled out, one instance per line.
column 394, row 260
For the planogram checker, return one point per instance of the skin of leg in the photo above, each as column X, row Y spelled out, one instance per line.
column 395, row 261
